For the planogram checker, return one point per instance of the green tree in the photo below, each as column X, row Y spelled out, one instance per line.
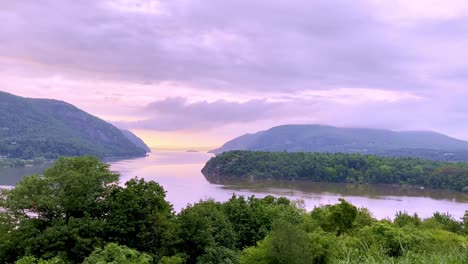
column 140, row 217
column 172, row 260
column 403, row 219
column 60, row 214
column 204, row 226
column 33, row 260
column 337, row 218
column 113, row 253
column 73, row 187
column 289, row 243
column 218, row 255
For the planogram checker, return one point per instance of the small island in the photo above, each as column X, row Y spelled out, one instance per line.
column 336, row 167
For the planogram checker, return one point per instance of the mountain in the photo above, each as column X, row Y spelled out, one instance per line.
column 47, row 128
column 320, row 138
column 135, row 140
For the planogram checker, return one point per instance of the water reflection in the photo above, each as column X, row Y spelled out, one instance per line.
column 179, row 174
column 344, row 189
column 11, row 176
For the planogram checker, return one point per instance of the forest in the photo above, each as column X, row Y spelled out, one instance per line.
column 338, row 167
column 79, row 213
column 47, row 129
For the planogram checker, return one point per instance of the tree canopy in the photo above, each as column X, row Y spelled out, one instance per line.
column 78, row 213
column 337, row 167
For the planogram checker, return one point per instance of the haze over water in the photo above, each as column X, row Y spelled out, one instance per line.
column 179, row 174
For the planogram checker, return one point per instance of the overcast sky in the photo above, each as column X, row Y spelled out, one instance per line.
column 195, row 73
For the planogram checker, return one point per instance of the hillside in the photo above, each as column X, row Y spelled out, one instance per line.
column 135, row 140
column 32, row 128
column 319, row 138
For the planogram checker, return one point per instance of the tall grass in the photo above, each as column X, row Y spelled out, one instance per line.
column 450, row 257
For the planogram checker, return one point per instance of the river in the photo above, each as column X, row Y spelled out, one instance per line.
column 179, row 174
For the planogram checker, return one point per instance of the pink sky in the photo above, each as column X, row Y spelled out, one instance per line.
column 191, row 74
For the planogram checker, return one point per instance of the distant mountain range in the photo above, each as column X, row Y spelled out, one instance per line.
column 31, row 128
column 321, row 138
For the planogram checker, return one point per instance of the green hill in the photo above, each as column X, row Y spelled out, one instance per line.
column 31, row 128
column 135, row 140
column 320, row 138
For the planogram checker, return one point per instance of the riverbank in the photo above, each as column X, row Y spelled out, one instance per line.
column 179, row 173
column 337, row 168
column 21, row 163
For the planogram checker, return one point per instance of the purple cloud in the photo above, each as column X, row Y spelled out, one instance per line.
column 237, row 62
column 178, row 114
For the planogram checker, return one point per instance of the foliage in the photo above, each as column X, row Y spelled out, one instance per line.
column 289, row 243
column 204, row 226
column 7, row 162
column 33, row 260
column 172, row 260
column 338, row 167
column 113, row 253
column 34, row 128
column 140, row 217
column 78, row 206
column 77, row 213
column 444, row 221
column 403, row 219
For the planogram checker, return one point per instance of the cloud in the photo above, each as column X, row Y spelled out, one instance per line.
column 228, row 45
column 178, row 114
column 206, row 64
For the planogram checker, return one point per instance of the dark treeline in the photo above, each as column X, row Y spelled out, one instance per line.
column 77, row 213
column 338, row 167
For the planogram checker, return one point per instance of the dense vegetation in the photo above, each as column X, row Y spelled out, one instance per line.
column 327, row 139
column 77, row 213
column 32, row 128
column 337, row 167
column 6, row 163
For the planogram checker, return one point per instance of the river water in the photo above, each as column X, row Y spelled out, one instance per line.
column 179, row 174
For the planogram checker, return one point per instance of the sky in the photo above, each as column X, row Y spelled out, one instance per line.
column 194, row 74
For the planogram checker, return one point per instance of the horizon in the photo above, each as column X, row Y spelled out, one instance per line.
column 185, row 146
column 184, row 75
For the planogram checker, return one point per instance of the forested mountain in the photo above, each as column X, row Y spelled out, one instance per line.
column 320, row 138
column 46, row 128
column 136, row 140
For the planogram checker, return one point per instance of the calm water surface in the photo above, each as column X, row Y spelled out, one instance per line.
column 179, row 174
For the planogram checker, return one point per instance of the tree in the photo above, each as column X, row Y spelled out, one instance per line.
column 73, row 187
column 113, row 253
column 172, row 260
column 204, row 226
column 33, row 260
column 338, row 218
column 60, row 214
column 218, row 255
column 140, row 217
column 289, row 243
column 252, row 218
column 403, row 219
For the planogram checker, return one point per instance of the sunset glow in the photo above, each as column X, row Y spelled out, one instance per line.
column 181, row 74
